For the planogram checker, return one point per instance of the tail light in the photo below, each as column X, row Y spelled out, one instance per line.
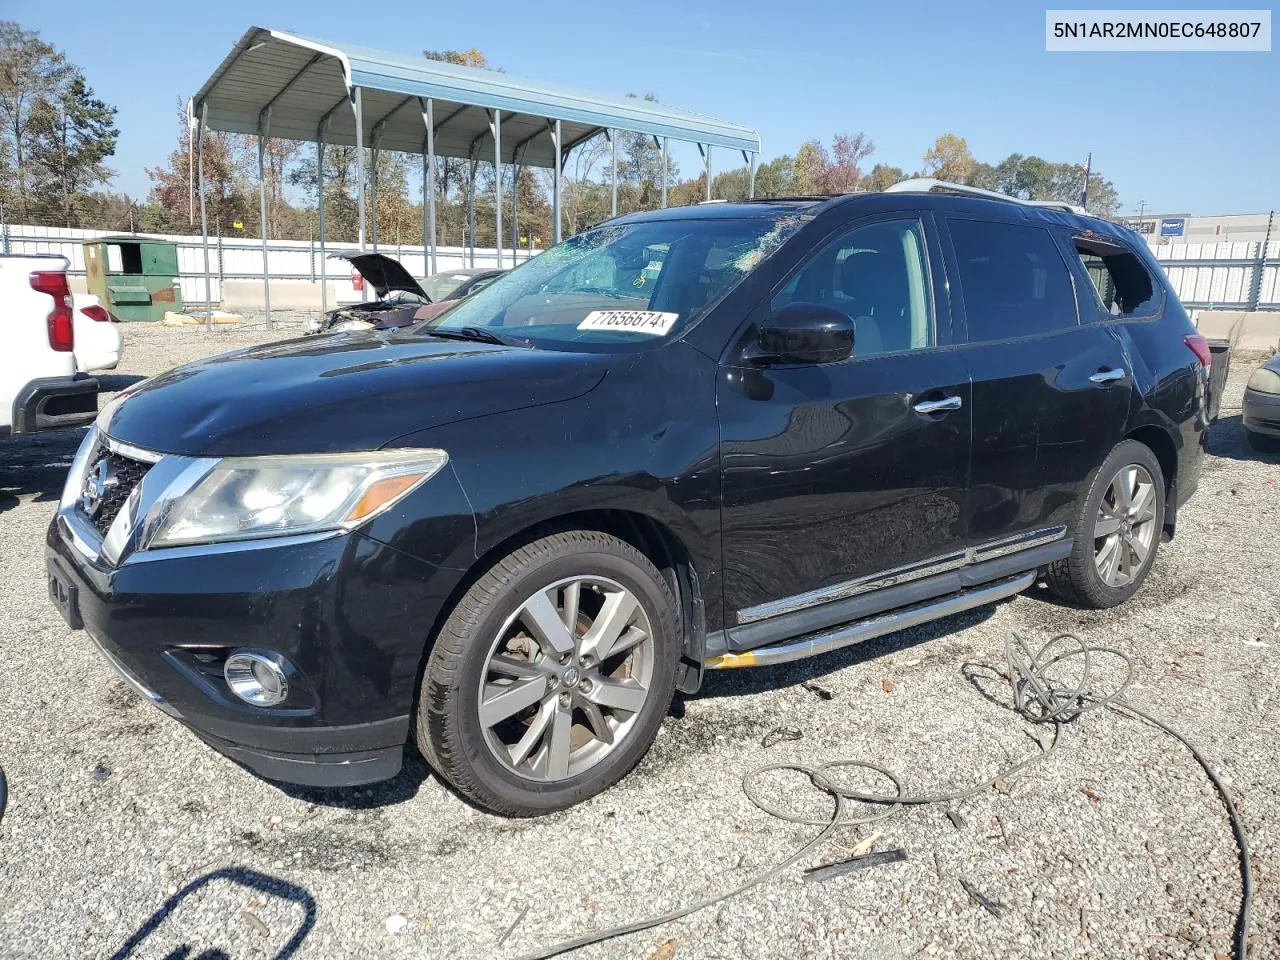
column 96, row 313
column 61, row 326
column 1200, row 347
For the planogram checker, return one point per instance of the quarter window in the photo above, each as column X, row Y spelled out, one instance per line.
column 1122, row 283
column 879, row 275
column 1014, row 281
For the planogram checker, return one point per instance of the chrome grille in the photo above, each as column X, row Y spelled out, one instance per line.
column 109, row 479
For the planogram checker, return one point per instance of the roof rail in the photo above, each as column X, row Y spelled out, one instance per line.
column 930, row 185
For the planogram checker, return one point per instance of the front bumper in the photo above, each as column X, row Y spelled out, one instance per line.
column 1261, row 412
column 351, row 614
column 55, row 403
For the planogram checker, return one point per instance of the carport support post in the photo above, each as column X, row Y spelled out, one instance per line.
column 613, row 180
column 204, row 216
column 264, row 124
column 324, row 279
column 471, row 208
column 751, row 177
column 429, row 182
column 497, row 182
column 708, row 158
column 665, row 173
column 555, row 185
column 359, row 112
column 373, row 182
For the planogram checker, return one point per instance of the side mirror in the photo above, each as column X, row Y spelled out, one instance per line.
column 806, row 333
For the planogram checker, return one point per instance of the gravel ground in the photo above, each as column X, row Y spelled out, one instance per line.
column 126, row 836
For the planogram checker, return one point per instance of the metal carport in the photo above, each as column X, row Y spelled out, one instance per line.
column 276, row 84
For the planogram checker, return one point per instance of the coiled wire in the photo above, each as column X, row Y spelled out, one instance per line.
column 1040, row 695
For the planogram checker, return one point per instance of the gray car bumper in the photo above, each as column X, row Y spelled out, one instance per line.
column 1261, row 413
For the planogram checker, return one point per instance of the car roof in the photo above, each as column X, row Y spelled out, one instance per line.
column 727, row 210
column 973, row 206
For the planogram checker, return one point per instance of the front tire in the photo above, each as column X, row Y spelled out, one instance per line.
column 1117, row 533
column 551, row 676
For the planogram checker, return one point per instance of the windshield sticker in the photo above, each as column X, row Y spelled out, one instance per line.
column 652, row 322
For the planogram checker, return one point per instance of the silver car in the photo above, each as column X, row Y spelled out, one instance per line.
column 1262, row 406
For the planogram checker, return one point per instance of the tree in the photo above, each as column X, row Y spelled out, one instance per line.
column 983, row 176
column 843, row 173
column 881, row 178
column 32, row 76
column 640, row 169
column 819, row 172
column 773, row 179
column 777, row 178
column 949, row 159
column 810, row 167
column 71, row 145
column 228, row 183
column 1033, row 178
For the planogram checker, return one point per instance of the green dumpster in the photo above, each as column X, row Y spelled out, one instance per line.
column 135, row 278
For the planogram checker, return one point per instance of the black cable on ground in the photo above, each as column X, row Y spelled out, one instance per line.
column 1039, row 695
column 4, row 791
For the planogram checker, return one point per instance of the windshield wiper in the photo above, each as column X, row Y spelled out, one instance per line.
column 479, row 334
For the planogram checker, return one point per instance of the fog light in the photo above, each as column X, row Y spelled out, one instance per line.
column 256, row 678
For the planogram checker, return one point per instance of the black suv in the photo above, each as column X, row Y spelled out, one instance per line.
column 685, row 440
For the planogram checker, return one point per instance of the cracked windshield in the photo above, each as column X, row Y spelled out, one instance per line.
column 622, row 283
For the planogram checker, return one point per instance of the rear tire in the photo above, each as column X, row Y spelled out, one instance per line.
column 1262, row 442
column 551, row 676
column 1117, row 532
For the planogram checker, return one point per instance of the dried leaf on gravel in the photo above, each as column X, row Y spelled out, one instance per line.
column 778, row 735
column 993, row 907
column 822, row 693
column 1095, row 797
column 888, row 686
column 864, row 846
column 255, row 921
column 666, row 951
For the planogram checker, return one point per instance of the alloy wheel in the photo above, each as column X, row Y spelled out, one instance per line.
column 566, row 678
column 1125, row 529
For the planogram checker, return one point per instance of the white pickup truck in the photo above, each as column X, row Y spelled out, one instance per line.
column 39, row 386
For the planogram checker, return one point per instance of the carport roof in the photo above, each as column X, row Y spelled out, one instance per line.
column 306, row 82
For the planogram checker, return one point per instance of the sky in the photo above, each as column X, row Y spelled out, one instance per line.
column 1193, row 133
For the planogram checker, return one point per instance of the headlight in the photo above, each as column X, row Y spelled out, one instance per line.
column 1265, row 381
column 246, row 497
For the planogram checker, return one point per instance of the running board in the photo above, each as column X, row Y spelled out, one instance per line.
column 815, row 644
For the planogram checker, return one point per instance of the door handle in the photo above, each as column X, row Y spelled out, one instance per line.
column 1106, row 376
column 938, row 406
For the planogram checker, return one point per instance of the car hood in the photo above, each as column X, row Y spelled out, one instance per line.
column 341, row 392
column 385, row 274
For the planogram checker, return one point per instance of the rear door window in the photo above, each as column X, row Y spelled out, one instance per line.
column 1123, row 285
column 1013, row 280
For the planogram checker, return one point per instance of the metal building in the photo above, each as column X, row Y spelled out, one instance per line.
column 276, row 84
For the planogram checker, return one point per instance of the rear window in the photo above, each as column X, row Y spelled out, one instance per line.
column 1123, row 285
column 1013, row 280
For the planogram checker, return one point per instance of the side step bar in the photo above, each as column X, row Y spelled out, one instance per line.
column 815, row 644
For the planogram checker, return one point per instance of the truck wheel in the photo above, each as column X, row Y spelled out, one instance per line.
column 550, row 678
column 1117, row 533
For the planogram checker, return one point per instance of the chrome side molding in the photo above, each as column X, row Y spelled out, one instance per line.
column 904, row 574
column 876, row 626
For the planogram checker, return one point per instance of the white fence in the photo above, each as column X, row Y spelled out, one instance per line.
column 241, row 258
column 1233, row 276
column 1240, row 276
